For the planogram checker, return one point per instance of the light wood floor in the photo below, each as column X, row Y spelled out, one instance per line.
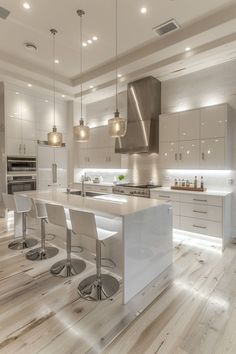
column 194, row 313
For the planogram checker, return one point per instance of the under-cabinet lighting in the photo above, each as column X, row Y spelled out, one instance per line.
column 110, row 170
column 200, row 172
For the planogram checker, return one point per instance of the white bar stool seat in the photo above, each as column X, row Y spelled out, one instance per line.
column 38, row 211
column 20, row 205
column 98, row 286
column 69, row 266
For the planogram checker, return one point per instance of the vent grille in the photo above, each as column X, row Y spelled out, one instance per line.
column 4, row 13
column 166, row 27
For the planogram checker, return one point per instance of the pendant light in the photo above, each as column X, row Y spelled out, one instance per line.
column 117, row 125
column 81, row 131
column 54, row 137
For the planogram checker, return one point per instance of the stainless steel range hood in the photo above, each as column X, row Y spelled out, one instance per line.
column 144, row 107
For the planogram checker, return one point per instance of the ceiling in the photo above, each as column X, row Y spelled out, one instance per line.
column 207, row 26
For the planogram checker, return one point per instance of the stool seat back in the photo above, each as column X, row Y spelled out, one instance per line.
column 83, row 223
column 56, row 215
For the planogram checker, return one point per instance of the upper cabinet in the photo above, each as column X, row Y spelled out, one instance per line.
column 214, row 121
column 99, row 151
column 198, row 138
column 20, row 124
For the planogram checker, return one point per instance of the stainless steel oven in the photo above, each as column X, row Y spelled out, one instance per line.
column 20, row 184
column 21, row 164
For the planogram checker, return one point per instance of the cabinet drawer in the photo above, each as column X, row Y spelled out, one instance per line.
column 175, row 197
column 201, row 226
column 176, row 208
column 206, row 212
column 202, row 199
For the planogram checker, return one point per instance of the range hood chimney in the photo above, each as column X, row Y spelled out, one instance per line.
column 144, row 107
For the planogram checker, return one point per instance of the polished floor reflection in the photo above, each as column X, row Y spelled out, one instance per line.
column 193, row 313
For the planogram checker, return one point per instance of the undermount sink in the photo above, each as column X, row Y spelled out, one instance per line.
column 88, row 194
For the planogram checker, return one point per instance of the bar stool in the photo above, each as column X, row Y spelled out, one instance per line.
column 20, row 205
column 38, row 211
column 98, row 286
column 69, row 266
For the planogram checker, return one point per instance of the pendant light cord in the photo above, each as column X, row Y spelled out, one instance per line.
column 54, row 85
column 116, row 22
column 81, row 13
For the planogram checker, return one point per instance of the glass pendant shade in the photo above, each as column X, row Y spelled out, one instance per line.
column 55, row 138
column 117, row 126
column 81, row 132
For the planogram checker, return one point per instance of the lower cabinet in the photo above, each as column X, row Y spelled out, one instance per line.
column 200, row 213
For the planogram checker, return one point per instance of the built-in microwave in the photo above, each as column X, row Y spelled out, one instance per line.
column 20, row 184
column 21, row 164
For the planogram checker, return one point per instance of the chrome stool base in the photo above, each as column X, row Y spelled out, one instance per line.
column 22, row 244
column 66, row 269
column 89, row 288
column 38, row 254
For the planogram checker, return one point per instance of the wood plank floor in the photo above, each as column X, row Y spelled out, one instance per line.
column 195, row 311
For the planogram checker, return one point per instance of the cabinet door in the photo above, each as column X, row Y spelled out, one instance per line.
column 212, row 154
column 29, row 147
column 169, row 127
column 28, row 110
column 28, row 130
column 169, row 155
column 61, row 157
column 113, row 160
column 213, row 121
column 13, row 128
column 45, row 157
column 189, row 152
column 13, row 104
column 189, row 125
column 14, row 147
column 84, row 158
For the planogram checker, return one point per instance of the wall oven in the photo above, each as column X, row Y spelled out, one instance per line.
column 21, row 174
column 21, row 164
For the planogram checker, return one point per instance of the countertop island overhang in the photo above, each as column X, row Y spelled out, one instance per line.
column 144, row 229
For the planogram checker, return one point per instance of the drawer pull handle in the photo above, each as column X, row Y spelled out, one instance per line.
column 200, row 200
column 200, row 212
column 199, row 227
column 164, row 196
column 176, row 157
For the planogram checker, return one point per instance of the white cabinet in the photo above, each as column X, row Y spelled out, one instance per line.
column 198, row 138
column 188, row 154
column 20, row 124
column 169, row 127
column 189, row 125
column 46, row 157
column 168, row 153
column 99, row 151
column 212, row 154
column 199, row 212
column 213, row 121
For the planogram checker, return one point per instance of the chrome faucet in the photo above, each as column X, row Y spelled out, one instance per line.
column 83, row 192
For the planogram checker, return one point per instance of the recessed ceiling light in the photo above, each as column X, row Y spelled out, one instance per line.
column 63, row 96
column 119, row 75
column 46, row 101
column 29, row 85
column 187, row 49
column 85, row 44
column 91, row 86
column 26, row 5
column 56, row 61
column 30, row 46
column 95, row 38
column 143, row 10
column 17, row 93
column 89, row 41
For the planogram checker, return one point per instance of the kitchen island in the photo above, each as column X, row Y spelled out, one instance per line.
column 142, row 248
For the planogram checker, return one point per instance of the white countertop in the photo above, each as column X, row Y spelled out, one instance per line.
column 105, row 184
column 109, row 204
column 209, row 192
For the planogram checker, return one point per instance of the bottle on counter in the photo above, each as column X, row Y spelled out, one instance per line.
column 202, row 183
column 179, row 182
column 183, row 183
column 187, row 183
column 195, row 182
column 176, row 182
